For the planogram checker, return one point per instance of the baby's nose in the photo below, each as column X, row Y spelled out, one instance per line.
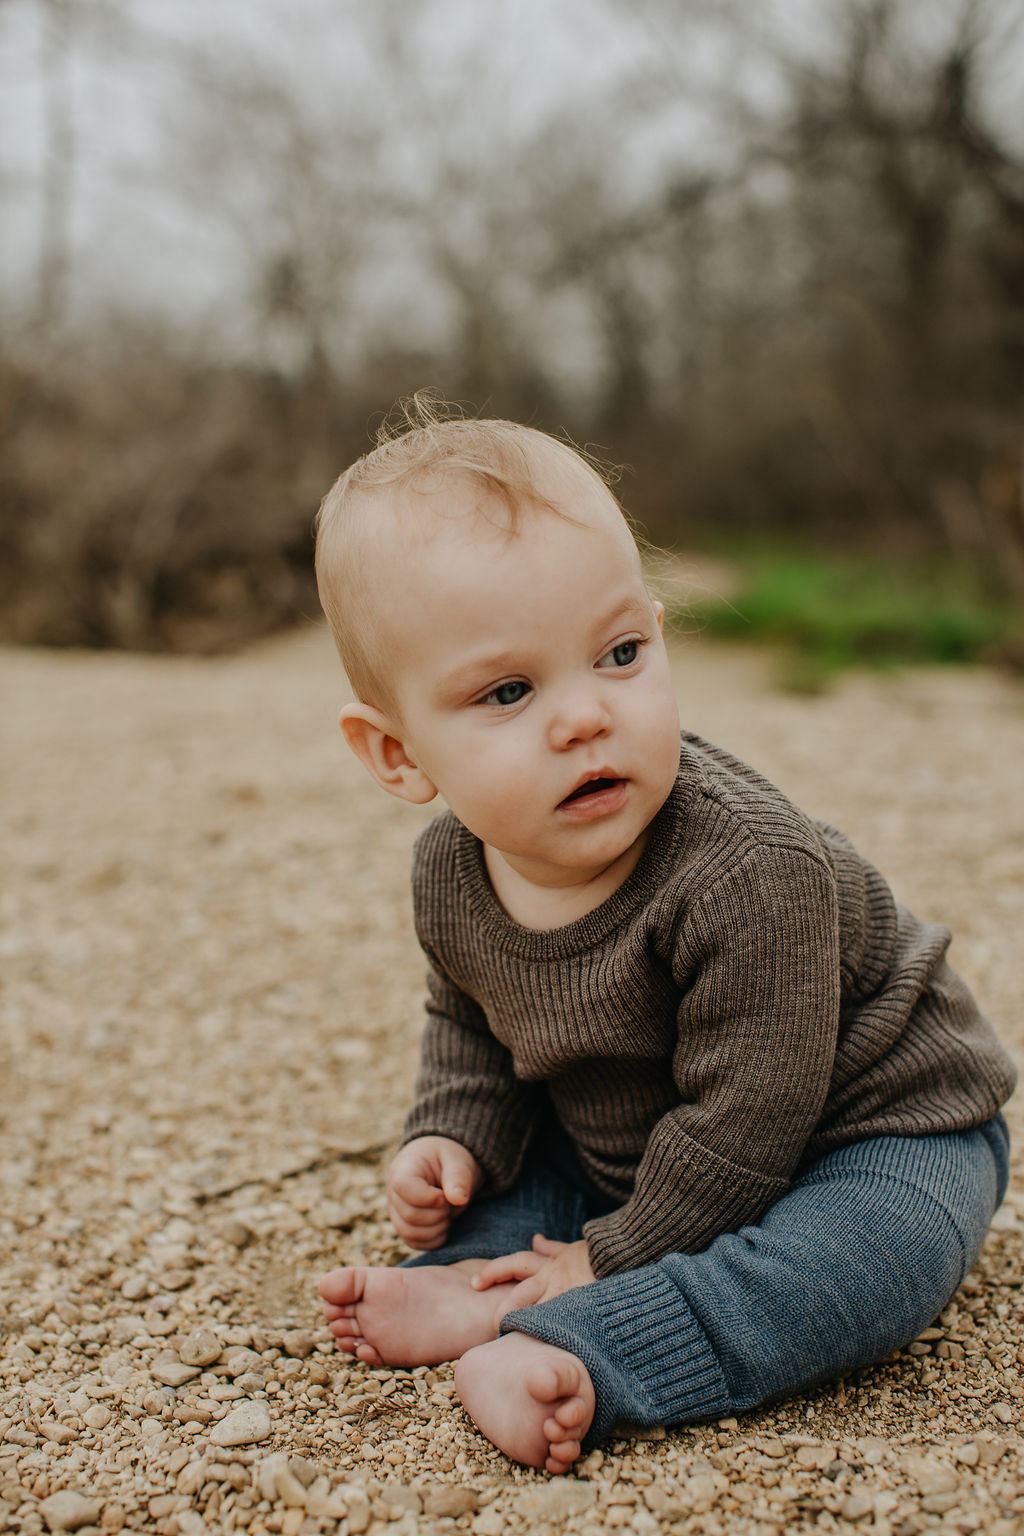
column 582, row 716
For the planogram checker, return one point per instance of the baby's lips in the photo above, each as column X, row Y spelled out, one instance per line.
column 592, row 784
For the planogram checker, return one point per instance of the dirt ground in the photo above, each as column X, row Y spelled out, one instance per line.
column 208, row 1032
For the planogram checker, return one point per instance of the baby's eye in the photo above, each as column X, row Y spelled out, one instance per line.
column 507, row 693
column 622, row 655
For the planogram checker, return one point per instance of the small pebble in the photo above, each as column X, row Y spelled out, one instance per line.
column 248, row 1424
column 935, row 1478
column 401, row 1498
column 772, row 1447
column 202, row 1347
column 124, row 1329
column 297, row 1343
column 555, row 1500
column 287, row 1487
column 176, row 1279
column 814, row 1456
column 171, row 1372
column 236, row 1233
column 939, row 1503
column 162, row 1505
column 57, row 1434
column 17, row 1434
column 358, row 1510
column 450, row 1500
column 157, row 1325
column 240, row 1359
column 69, row 1511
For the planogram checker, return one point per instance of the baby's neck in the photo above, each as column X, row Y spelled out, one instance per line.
column 545, row 907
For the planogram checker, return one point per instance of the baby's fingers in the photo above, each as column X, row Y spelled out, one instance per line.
column 423, row 1242
column 418, row 1218
column 547, row 1246
column 511, row 1266
column 529, row 1292
column 413, row 1196
column 426, row 1226
column 421, row 1234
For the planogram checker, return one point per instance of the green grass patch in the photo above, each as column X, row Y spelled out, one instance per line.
column 835, row 612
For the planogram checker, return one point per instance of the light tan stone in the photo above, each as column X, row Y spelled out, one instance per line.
column 171, row 1372
column 200, row 1348
column 69, row 1511
column 288, row 1488
column 57, row 1434
column 248, row 1424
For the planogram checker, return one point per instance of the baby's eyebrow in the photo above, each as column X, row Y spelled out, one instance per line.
column 477, row 673
column 629, row 606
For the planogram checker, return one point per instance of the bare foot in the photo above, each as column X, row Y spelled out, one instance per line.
column 411, row 1317
column 532, row 1400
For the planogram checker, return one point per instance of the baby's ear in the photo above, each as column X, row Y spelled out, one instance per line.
column 372, row 737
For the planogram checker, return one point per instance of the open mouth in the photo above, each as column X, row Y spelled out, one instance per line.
column 591, row 787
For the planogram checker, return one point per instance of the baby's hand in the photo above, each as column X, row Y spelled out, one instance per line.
column 430, row 1180
column 543, row 1272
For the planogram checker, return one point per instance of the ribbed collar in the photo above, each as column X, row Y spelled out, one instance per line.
column 654, row 868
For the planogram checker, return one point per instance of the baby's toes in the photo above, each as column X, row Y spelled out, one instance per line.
column 332, row 1284
column 345, row 1328
column 342, row 1287
column 555, row 1431
column 567, row 1377
column 347, row 1346
column 548, row 1382
column 561, row 1455
column 570, row 1414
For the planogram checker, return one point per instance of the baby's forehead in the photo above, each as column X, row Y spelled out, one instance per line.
column 442, row 502
column 457, row 555
column 418, row 539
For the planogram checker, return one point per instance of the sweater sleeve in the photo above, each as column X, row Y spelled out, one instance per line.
column 758, row 960
column 466, row 1088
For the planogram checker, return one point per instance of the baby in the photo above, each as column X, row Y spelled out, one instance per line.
column 703, row 1116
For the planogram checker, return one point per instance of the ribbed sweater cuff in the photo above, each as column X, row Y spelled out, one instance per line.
column 648, row 1358
column 685, row 1195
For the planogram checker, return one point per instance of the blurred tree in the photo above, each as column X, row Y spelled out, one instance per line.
column 53, row 269
column 859, row 307
column 913, row 208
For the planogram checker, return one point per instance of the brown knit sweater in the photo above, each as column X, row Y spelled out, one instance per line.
column 749, row 999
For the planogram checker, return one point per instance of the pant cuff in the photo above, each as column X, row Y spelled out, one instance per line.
column 648, row 1357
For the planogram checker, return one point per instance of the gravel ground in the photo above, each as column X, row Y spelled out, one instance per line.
column 208, row 1033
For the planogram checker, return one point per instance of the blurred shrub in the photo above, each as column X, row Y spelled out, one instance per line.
column 833, row 612
column 152, row 499
column 147, row 501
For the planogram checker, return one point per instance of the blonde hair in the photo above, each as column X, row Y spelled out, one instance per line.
column 424, row 440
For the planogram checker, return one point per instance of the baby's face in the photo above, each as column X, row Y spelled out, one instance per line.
column 532, row 683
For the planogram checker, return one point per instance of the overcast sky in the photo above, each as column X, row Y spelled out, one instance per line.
column 135, row 73
column 131, row 73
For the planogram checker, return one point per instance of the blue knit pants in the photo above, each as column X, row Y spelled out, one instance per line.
column 860, row 1255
